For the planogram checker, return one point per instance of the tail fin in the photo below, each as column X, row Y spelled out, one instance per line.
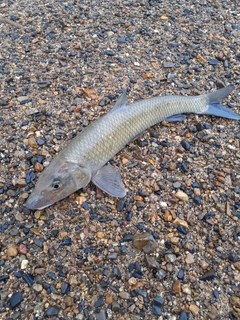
column 214, row 106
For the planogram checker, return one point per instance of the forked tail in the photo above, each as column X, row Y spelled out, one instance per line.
column 214, row 106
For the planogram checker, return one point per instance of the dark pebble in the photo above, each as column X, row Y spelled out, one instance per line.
column 236, row 214
column 15, row 300
column 104, row 284
column 30, row 176
column 208, row 276
column 129, row 216
column 28, row 278
column 141, row 292
column 101, row 315
column 181, row 229
column 180, row 274
column 52, row 311
column 232, row 257
column 121, row 40
column 197, row 200
column 228, row 76
column 85, row 205
column 38, row 242
column 66, row 242
column 207, row 126
column 216, row 294
column 40, row 141
column 127, row 237
column 3, row 278
column 185, row 144
column 43, row 84
column 156, row 310
column 81, row 305
column 121, row 204
column 183, row 316
column 218, row 155
column 65, row 288
column 199, row 127
column 208, row 216
column 116, row 272
column 25, row 101
column 137, row 275
column 25, row 123
column 195, row 185
column 109, row 53
column 99, row 303
column 213, row 62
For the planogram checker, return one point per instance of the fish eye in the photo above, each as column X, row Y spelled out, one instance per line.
column 56, row 184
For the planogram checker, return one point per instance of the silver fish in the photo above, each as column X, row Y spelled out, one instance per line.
column 83, row 159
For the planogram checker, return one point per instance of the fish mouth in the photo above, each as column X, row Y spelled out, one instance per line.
column 35, row 204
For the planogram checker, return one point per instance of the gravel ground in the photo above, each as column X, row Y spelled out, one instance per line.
column 170, row 248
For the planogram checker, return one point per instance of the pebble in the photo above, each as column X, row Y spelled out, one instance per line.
column 15, row 300
column 194, row 309
column 151, row 263
column 37, row 287
column 124, row 295
column 12, row 251
column 185, row 144
column 181, row 195
column 52, row 311
column 99, row 303
column 208, row 276
column 24, row 264
column 22, row 249
column 144, row 241
column 177, row 286
column 189, row 258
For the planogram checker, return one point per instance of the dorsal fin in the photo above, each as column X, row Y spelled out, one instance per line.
column 121, row 102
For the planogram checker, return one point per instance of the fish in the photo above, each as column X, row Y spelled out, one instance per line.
column 85, row 157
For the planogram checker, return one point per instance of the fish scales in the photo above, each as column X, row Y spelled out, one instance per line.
column 100, row 141
column 84, row 158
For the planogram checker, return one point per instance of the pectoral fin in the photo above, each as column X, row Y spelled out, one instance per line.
column 109, row 180
column 176, row 118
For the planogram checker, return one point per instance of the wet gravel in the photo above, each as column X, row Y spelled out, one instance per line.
column 168, row 250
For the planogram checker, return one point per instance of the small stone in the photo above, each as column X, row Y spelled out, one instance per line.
column 189, row 258
column 22, row 249
column 32, row 142
column 174, row 240
column 40, row 271
column 15, row 299
column 177, row 286
column 12, row 251
column 37, row 287
column 100, row 235
column 38, row 167
column 208, row 276
column 145, row 239
column 170, row 257
column 237, row 265
column 181, row 222
column 186, row 289
column 181, row 195
column 167, row 64
column 213, row 62
column 124, row 295
column 24, row 264
column 151, row 263
column 115, row 306
column 183, row 316
column 194, row 309
column 99, row 303
column 235, row 301
column 164, row 18
column 167, row 216
column 52, row 311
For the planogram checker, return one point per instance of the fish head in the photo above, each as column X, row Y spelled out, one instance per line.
column 57, row 182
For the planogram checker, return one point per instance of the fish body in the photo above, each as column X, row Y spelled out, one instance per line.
column 83, row 159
